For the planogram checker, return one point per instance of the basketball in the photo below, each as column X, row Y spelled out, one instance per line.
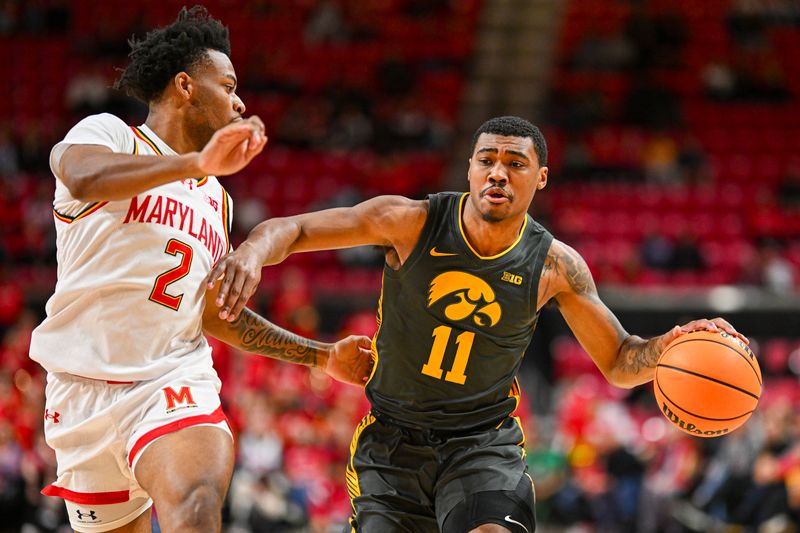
column 707, row 383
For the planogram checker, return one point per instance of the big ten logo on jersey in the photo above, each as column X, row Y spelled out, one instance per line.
column 473, row 298
column 193, row 184
column 178, row 400
column 516, row 279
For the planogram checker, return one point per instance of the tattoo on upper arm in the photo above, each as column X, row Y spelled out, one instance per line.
column 257, row 335
column 564, row 261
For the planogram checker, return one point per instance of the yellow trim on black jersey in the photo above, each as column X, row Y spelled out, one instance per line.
column 464, row 235
column 351, row 476
column 375, row 355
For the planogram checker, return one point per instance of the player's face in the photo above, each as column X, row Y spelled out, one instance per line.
column 504, row 174
column 214, row 103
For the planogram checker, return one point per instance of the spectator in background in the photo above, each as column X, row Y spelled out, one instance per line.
column 12, row 484
column 692, row 161
column 660, row 160
column 326, row 24
column 650, row 104
column 610, row 53
column 9, row 157
column 777, row 272
column 719, row 80
column 87, row 92
column 788, row 193
column 686, row 254
column 656, row 251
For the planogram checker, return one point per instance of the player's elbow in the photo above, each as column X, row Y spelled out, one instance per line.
column 81, row 187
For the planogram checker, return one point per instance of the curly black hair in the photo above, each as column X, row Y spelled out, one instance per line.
column 164, row 52
column 514, row 127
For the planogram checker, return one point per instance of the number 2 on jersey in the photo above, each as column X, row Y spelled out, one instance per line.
column 159, row 293
column 441, row 338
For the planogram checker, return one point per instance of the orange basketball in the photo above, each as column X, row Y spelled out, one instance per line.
column 707, row 384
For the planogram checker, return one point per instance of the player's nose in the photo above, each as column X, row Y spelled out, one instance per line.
column 498, row 174
column 238, row 105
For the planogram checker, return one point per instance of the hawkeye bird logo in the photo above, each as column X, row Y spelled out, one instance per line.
column 475, row 298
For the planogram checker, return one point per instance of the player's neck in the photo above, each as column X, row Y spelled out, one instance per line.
column 490, row 238
column 169, row 130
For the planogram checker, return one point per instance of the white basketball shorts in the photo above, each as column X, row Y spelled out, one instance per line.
column 99, row 430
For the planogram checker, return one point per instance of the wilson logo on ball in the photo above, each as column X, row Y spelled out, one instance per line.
column 688, row 426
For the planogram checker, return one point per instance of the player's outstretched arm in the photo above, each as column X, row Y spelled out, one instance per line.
column 348, row 360
column 389, row 221
column 94, row 173
column 625, row 360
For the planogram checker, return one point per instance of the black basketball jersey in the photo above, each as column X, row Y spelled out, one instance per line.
column 453, row 325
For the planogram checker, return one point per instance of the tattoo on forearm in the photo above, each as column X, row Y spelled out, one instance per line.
column 638, row 354
column 259, row 336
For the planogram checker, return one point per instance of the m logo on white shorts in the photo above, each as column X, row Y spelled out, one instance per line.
column 178, row 400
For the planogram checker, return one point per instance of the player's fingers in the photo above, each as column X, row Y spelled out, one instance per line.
column 216, row 273
column 232, row 299
column 254, row 148
column 697, row 325
column 222, row 295
column 233, row 133
column 364, row 342
column 728, row 328
column 248, row 289
column 256, row 121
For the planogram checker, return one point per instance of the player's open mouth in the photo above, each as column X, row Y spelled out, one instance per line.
column 496, row 195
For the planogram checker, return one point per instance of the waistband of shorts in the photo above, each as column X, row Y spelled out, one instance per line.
column 433, row 432
column 64, row 376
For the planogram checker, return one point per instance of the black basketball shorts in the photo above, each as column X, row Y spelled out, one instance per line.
column 418, row 481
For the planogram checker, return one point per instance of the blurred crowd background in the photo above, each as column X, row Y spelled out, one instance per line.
column 674, row 135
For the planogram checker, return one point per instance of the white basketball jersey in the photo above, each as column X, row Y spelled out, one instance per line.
column 130, row 293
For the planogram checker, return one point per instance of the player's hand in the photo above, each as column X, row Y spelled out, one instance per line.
column 240, row 272
column 714, row 324
column 350, row 360
column 231, row 148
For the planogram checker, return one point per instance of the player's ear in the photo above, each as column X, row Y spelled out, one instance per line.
column 183, row 84
column 542, row 179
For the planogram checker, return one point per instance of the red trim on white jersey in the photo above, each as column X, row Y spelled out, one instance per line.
column 87, row 498
column 213, row 418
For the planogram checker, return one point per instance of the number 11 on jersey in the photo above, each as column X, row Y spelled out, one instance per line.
column 441, row 339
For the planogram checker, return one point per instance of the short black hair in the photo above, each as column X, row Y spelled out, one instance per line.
column 164, row 52
column 514, row 127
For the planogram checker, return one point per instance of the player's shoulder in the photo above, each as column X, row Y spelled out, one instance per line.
column 396, row 205
column 559, row 249
column 104, row 119
column 565, row 268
